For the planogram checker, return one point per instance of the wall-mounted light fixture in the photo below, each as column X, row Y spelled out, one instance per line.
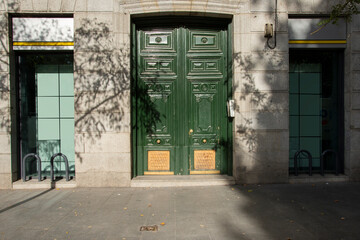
column 268, row 33
column 270, row 29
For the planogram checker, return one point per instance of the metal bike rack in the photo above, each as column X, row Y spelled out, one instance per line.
column 322, row 162
column 296, row 157
column 66, row 166
column 23, row 172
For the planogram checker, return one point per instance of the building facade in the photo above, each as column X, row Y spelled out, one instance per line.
column 131, row 88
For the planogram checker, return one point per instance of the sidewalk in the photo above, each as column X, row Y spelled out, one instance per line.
column 279, row 211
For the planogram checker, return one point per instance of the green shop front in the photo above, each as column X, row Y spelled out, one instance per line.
column 182, row 108
column 43, row 59
column 316, row 96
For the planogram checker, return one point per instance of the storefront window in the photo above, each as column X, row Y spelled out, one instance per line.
column 316, row 107
column 47, row 109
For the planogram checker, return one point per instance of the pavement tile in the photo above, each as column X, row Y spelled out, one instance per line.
column 277, row 211
column 158, row 235
column 23, row 234
column 194, row 237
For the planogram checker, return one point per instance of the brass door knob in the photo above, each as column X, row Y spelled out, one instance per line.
column 158, row 141
column 204, row 141
column 191, row 131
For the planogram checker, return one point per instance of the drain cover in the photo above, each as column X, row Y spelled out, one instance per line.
column 149, row 228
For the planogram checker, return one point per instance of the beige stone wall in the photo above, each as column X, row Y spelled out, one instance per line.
column 5, row 152
column 352, row 101
column 102, row 84
column 261, row 93
column 102, row 95
column 102, row 89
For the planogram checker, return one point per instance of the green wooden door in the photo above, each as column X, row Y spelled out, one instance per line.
column 181, row 92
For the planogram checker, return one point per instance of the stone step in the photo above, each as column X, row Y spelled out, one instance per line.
column 317, row 178
column 182, row 181
column 44, row 184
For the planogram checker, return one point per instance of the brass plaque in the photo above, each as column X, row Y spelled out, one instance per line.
column 204, row 159
column 158, row 160
column 205, row 172
column 158, row 173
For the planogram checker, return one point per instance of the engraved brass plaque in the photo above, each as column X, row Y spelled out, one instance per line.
column 158, row 160
column 204, row 159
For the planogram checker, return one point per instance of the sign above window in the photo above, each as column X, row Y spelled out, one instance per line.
column 307, row 33
column 43, row 33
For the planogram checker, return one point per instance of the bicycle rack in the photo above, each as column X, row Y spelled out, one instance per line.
column 66, row 166
column 322, row 161
column 23, row 172
column 309, row 157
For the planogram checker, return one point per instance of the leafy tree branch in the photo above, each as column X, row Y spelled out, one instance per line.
column 344, row 9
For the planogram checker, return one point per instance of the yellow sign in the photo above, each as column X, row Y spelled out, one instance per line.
column 43, row 43
column 317, row 41
column 204, row 159
column 158, row 160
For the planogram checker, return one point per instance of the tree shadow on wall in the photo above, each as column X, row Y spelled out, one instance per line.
column 4, row 75
column 102, row 84
column 260, row 102
column 147, row 113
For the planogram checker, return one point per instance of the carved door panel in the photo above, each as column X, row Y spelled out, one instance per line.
column 180, row 101
column 206, row 87
column 157, row 76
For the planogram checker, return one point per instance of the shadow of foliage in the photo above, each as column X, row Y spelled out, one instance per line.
column 260, row 101
column 147, row 113
column 4, row 75
column 102, row 84
column 5, row 119
column 101, row 79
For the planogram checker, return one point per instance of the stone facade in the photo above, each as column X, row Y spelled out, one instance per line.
column 352, row 99
column 102, row 85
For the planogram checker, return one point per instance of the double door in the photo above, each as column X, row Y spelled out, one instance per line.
column 180, row 93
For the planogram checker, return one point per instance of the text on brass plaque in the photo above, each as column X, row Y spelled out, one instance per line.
column 204, row 159
column 159, row 160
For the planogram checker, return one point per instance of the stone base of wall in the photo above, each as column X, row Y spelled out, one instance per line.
column 103, row 179
column 5, row 181
column 255, row 177
column 355, row 175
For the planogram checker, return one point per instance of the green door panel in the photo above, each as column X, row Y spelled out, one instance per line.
column 181, row 93
column 157, row 74
column 48, row 107
column 55, row 114
column 205, row 78
column 47, row 80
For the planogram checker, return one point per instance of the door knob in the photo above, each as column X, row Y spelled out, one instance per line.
column 191, row 131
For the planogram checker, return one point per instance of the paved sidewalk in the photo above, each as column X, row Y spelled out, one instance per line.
column 279, row 211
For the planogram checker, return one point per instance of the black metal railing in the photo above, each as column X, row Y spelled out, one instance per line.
column 23, row 171
column 296, row 162
column 38, row 159
column 52, row 166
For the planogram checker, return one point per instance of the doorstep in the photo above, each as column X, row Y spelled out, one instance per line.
column 317, row 178
column 182, row 181
column 44, row 184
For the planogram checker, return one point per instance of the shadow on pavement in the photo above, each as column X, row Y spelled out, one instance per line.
column 25, row 201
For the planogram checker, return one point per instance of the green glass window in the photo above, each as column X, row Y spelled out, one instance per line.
column 315, row 106
column 47, row 110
